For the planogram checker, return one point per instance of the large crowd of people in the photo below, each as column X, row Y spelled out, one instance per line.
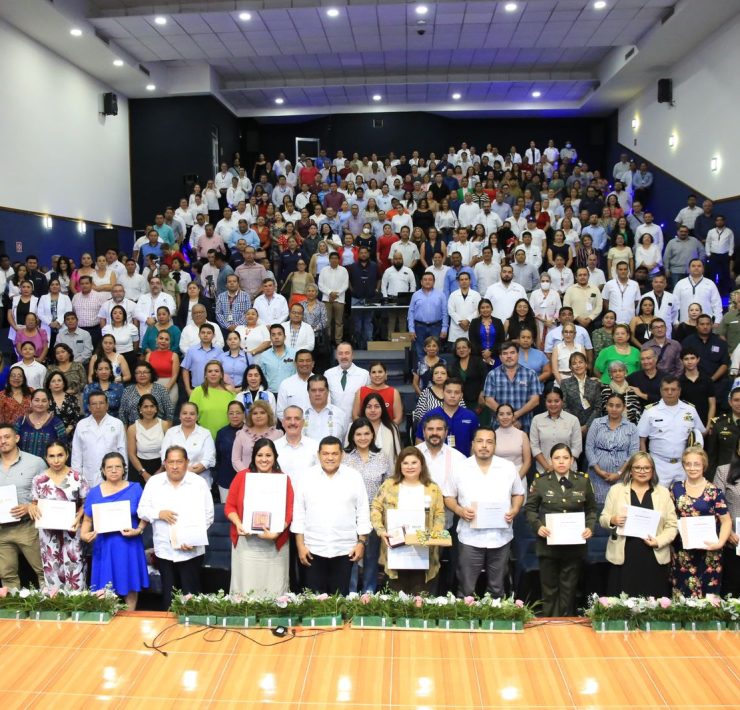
column 568, row 357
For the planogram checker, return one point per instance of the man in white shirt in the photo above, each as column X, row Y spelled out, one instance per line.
column 664, row 302
column 532, row 155
column 134, row 284
column 293, row 390
column 469, row 212
column 686, row 217
column 487, row 271
column 555, row 335
column 584, row 298
column 720, row 246
column 145, row 313
column 397, row 279
column 94, row 437
column 468, row 250
column 346, row 378
column 280, row 191
column 489, row 219
column 118, row 298
column 517, row 223
column 333, row 284
column 440, row 269
column 504, row 294
column 331, row 520
column 401, row 219
column 226, row 225
column 595, row 274
column 190, row 335
column 296, row 451
column 652, row 229
column 406, row 248
column 551, row 153
column 222, row 181
column 622, row 294
column 621, row 167
column 271, row 307
column 484, row 532
column 462, row 306
column 322, row 418
column 696, row 289
column 177, row 498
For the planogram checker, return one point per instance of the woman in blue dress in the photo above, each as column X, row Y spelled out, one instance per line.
column 118, row 557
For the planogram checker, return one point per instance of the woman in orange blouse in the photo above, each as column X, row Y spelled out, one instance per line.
column 379, row 383
column 15, row 399
column 259, row 560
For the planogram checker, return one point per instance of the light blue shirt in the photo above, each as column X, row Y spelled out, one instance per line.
column 451, row 280
column 195, row 362
column 250, row 237
column 598, row 234
column 428, row 308
column 277, row 367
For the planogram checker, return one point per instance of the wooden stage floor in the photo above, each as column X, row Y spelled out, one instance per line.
column 555, row 665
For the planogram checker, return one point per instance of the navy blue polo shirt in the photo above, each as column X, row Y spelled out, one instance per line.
column 461, row 427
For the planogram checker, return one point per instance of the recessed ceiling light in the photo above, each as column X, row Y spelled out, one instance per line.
column 599, row 5
column 150, row 87
column 377, row 97
column 159, row 20
column 536, row 94
column 118, row 62
column 76, row 32
column 279, row 101
column 245, row 16
column 332, row 12
column 456, row 96
column 422, row 9
column 510, row 7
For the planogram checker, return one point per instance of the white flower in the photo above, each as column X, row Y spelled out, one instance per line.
column 496, row 602
column 441, row 601
column 24, row 593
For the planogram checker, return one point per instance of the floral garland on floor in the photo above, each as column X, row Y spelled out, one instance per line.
column 59, row 605
column 625, row 613
column 379, row 609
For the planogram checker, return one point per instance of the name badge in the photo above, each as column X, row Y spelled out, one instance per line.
column 715, row 348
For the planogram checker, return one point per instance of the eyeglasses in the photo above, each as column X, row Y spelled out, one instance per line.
column 642, row 468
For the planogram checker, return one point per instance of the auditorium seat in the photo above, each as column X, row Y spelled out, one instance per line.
column 216, row 572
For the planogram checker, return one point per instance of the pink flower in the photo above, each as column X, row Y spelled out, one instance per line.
column 365, row 599
column 713, row 599
column 605, row 601
column 100, row 593
column 322, row 597
column 519, row 603
column 52, row 592
column 187, row 597
column 3, row 591
column 664, row 602
column 469, row 601
column 418, row 601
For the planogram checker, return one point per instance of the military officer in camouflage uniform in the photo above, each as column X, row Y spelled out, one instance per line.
column 560, row 491
column 721, row 441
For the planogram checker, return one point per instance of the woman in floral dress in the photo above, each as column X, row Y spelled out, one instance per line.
column 61, row 550
column 698, row 572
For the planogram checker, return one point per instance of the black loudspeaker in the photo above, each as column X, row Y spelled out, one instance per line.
column 110, row 104
column 665, row 91
column 104, row 239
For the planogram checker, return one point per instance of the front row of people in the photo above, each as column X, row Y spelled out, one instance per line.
column 326, row 507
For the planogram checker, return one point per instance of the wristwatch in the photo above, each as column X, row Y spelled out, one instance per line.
column 362, row 542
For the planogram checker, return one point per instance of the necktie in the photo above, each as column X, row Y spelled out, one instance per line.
column 565, row 483
column 343, row 381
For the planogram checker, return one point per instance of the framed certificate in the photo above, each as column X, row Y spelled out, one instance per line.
column 8, row 501
column 56, row 514
column 565, row 528
column 111, row 517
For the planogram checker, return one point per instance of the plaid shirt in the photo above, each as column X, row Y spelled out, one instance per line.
column 88, row 307
column 516, row 392
column 228, row 313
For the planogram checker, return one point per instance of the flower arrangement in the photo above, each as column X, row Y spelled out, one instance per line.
column 624, row 613
column 59, row 604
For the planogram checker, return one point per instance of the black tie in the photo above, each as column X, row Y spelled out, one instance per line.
column 565, row 483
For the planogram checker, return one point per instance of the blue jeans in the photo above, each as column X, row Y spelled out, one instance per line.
column 422, row 333
column 369, row 567
column 362, row 324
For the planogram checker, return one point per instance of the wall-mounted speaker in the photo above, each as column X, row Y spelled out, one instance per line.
column 110, row 104
column 665, row 91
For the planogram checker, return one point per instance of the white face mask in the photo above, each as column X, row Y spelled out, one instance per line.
column 545, row 285
column 366, row 231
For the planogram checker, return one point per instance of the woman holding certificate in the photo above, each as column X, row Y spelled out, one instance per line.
column 562, row 512
column 642, row 517
column 700, row 505
column 118, row 551
column 727, row 479
column 408, row 499
column 260, row 555
column 57, row 497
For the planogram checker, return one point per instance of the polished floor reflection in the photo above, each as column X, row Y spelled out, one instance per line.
column 553, row 665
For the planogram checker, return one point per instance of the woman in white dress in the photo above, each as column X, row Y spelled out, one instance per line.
column 125, row 333
column 546, row 304
column 103, row 277
column 196, row 440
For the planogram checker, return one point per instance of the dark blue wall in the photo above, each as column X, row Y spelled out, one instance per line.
column 63, row 238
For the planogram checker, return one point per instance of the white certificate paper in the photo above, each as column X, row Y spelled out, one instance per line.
column 565, row 528
column 697, row 531
column 490, row 514
column 641, row 522
column 56, row 514
column 406, row 556
column 111, row 517
column 8, row 501
column 265, row 493
column 190, row 529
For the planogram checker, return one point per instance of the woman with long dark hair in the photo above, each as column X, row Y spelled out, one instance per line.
column 387, row 436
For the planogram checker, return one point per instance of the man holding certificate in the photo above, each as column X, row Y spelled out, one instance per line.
column 331, row 520
column 642, row 518
column 486, row 493
column 702, row 509
column 561, row 509
column 180, row 508
column 17, row 531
